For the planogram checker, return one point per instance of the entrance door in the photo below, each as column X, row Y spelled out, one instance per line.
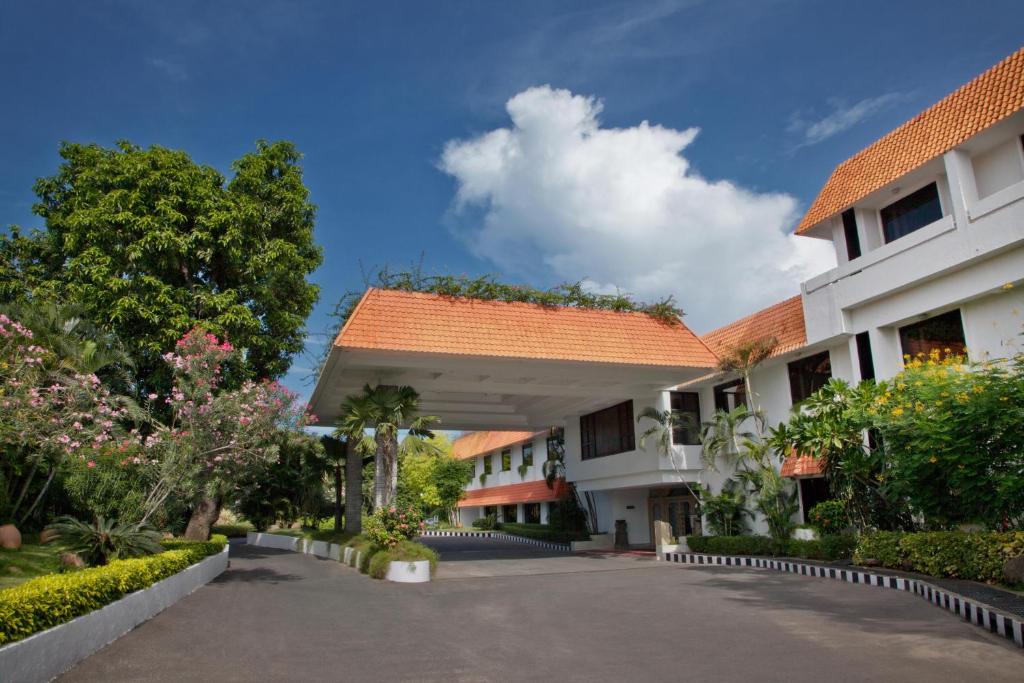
column 679, row 511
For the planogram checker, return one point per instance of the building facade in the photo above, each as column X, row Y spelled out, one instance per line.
column 928, row 229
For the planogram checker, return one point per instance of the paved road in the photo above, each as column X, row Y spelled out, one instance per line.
column 278, row 616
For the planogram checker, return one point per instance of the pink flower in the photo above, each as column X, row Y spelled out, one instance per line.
column 91, row 463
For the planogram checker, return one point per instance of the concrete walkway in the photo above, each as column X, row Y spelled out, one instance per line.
column 278, row 616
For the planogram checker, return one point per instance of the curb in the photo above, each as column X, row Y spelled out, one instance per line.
column 548, row 545
column 321, row 549
column 1005, row 625
column 45, row 655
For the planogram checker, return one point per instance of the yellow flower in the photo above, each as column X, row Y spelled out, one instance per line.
column 1004, row 398
column 897, row 411
column 933, row 460
column 1008, row 285
column 919, row 406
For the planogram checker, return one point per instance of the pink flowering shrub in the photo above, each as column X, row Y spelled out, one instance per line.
column 214, row 434
column 388, row 527
column 47, row 416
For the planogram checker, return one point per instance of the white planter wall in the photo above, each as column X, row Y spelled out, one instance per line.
column 409, row 572
column 45, row 655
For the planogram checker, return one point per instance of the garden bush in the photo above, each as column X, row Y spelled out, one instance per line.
column 51, row 600
column 487, row 523
column 828, row 548
column 404, row 551
column 387, row 528
column 828, row 517
column 543, row 532
column 236, row 530
column 956, row 554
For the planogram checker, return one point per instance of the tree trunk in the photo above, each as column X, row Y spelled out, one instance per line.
column 353, row 490
column 381, row 473
column 203, row 518
column 337, row 496
column 392, row 469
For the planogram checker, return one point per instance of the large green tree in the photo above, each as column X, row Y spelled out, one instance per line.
column 149, row 243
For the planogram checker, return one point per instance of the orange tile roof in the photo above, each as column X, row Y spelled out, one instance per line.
column 480, row 443
column 527, row 492
column 784, row 321
column 802, row 466
column 989, row 98
column 395, row 320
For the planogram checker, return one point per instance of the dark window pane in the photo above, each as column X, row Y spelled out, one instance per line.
column 852, row 238
column 607, row 431
column 527, row 454
column 911, row 213
column 867, row 362
column 812, row 492
column 531, row 513
column 944, row 333
column 509, row 514
column 487, row 464
column 730, row 395
column 807, row 375
column 506, row 460
column 686, row 407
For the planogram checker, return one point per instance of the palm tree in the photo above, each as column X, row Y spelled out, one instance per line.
column 384, row 409
column 727, row 435
column 664, row 422
column 743, row 358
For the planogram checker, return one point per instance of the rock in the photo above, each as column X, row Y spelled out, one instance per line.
column 47, row 535
column 14, row 570
column 71, row 560
column 167, row 535
column 1013, row 570
column 10, row 537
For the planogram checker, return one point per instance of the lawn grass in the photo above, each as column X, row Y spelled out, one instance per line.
column 28, row 562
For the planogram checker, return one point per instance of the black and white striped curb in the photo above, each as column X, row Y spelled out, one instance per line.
column 1009, row 627
column 547, row 545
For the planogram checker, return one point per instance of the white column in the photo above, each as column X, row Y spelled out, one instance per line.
column 544, row 507
column 963, row 188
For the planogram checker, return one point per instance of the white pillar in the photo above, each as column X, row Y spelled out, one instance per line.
column 544, row 516
column 963, row 188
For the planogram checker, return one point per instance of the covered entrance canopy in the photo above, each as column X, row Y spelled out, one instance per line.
column 496, row 365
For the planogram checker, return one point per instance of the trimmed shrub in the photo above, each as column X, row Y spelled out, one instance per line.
column 543, row 532
column 51, row 600
column 405, row 551
column 826, row 548
column 955, row 554
column 233, row 530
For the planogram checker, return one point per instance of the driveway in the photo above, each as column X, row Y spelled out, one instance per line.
column 278, row 616
column 475, row 557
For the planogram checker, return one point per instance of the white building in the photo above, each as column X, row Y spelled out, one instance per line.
column 508, row 476
column 928, row 226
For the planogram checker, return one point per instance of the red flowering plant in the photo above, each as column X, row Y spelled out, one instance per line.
column 388, row 527
column 48, row 415
column 213, row 434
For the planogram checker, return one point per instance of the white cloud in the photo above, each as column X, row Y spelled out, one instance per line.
column 842, row 117
column 172, row 70
column 557, row 197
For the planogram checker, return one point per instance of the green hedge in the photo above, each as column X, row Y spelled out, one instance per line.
column 233, row 530
column 405, row 551
column 826, row 548
column 51, row 600
column 956, row 554
column 543, row 532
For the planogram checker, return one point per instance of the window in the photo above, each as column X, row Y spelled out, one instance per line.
column 527, row 454
column 867, row 363
column 807, row 375
column 911, row 213
column 607, row 431
column 686, row 406
column 506, row 460
column 509, row 514
column 490, row 510
column 531, row 513
column 944, row 333
column 487, row 464
column 852, row 238
column 730, row 395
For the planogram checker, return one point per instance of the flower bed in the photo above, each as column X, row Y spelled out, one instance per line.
column 49, row 601
column 374, row 560
column 825, row 548
column 955, row 554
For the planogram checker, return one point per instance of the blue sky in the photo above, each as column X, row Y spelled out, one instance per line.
column 426, row 127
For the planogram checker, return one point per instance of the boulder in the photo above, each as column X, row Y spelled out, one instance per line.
column 10, row 537
column 71, row 560
column 1013, row 570
column 47, row 535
